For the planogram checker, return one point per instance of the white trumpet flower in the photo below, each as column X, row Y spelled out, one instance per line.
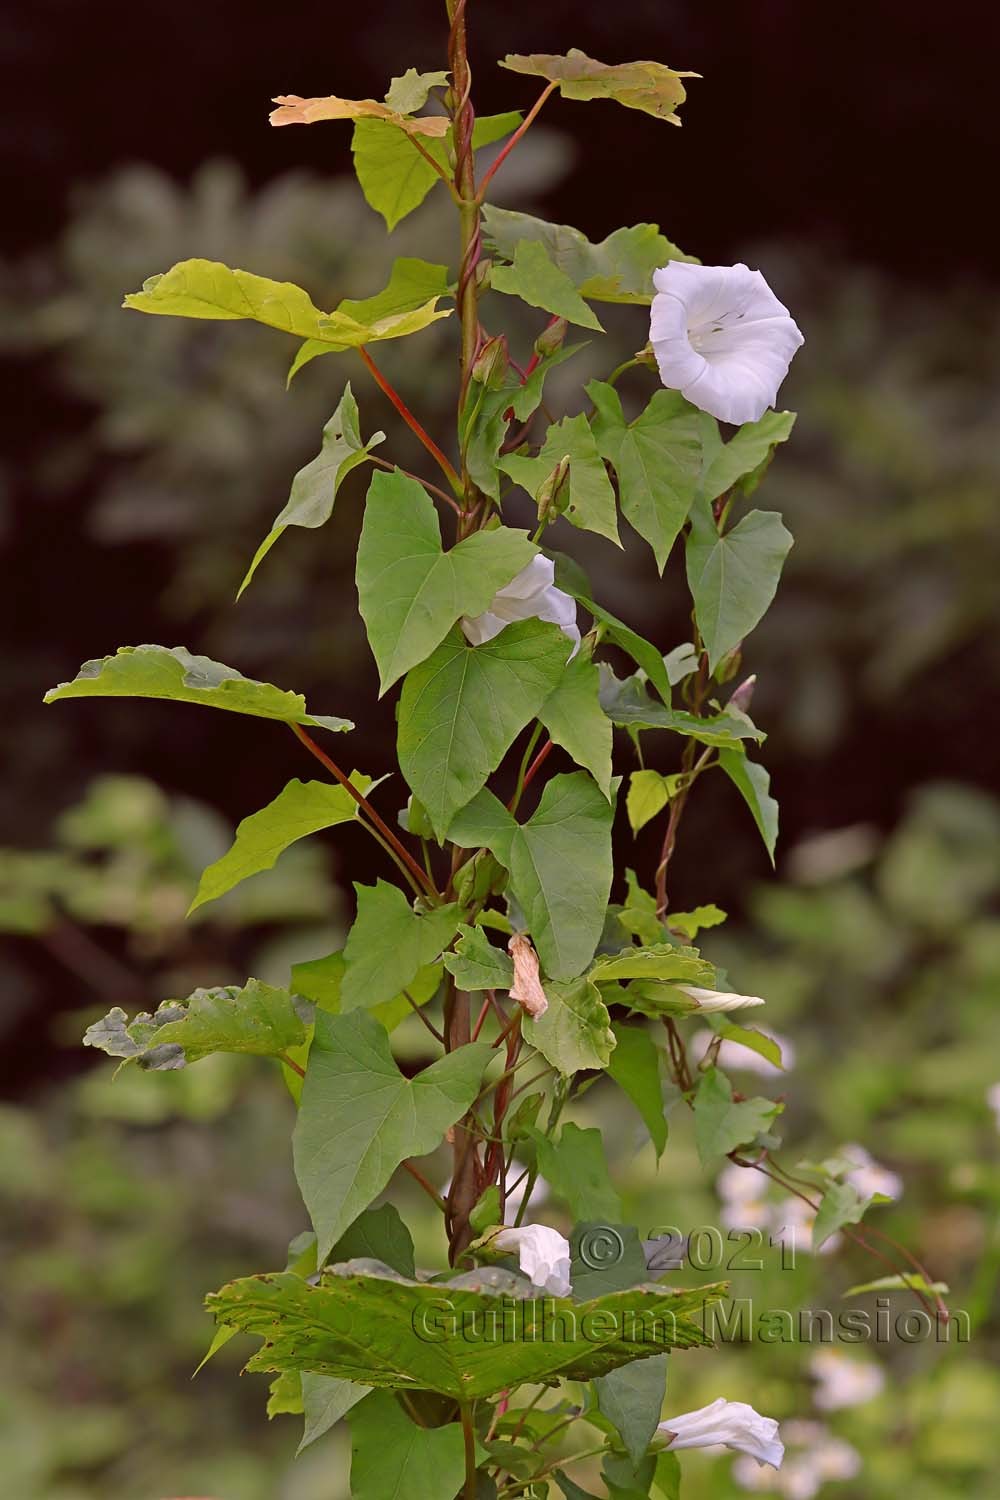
column 730, row 1424
column 542, row 1253
column 721, row 338
column 531, row 595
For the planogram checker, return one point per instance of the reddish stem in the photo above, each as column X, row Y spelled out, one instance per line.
column 416, row 870
column 447, row 468
column 536, row 763
column 524, row 126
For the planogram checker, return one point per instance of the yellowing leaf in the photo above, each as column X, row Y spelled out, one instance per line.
column 649, row 86
column 209, row 289
column 294, row 110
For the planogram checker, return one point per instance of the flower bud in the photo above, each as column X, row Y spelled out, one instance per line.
column 551, row 338
column 479, row 878
column 492, row 363
column 554, row 495
column 742, row 696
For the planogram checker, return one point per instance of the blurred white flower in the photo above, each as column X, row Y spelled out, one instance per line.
column 843, row 1380
column 733, row 1056
column 793, row 1222
column 531, row 595
column 814, row 1456
column 543, row 1255
column 731, row 1424
column 993, row 1100
column 721, row 338
column 867, row 1177
column 746, row 1205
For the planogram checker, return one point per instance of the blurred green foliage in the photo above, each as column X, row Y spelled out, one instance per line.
column 124, row 1200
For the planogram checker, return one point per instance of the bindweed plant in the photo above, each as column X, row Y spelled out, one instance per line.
column 497, row 926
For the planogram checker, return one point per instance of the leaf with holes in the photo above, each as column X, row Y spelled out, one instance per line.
column 254, row 1018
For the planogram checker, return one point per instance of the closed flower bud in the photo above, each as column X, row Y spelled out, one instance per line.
column 492, row 363
column 743, row 695
column 554, row 495
column 551, row 338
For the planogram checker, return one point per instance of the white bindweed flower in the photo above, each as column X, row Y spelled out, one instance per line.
column 719, row 999
column 543, row 1255
column 532, row 595
column 843, row 1381
column 867, row 1177
column 721, row 338
column 731, row 1424
column 815, row 1455
column 993, row 1100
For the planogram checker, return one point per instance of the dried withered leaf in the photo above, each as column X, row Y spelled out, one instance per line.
column 527, row 987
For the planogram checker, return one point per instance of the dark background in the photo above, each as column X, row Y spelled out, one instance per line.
column 856, row 140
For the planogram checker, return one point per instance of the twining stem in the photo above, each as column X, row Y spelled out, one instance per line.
column 418, row 1010
column 446, row 466
column 785, row 1181
column 690, row 769
column 404, row 854
column 431, row 1192
column 431, row 162
column 433, row 489
column 521, row 130
column 469, row 1433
